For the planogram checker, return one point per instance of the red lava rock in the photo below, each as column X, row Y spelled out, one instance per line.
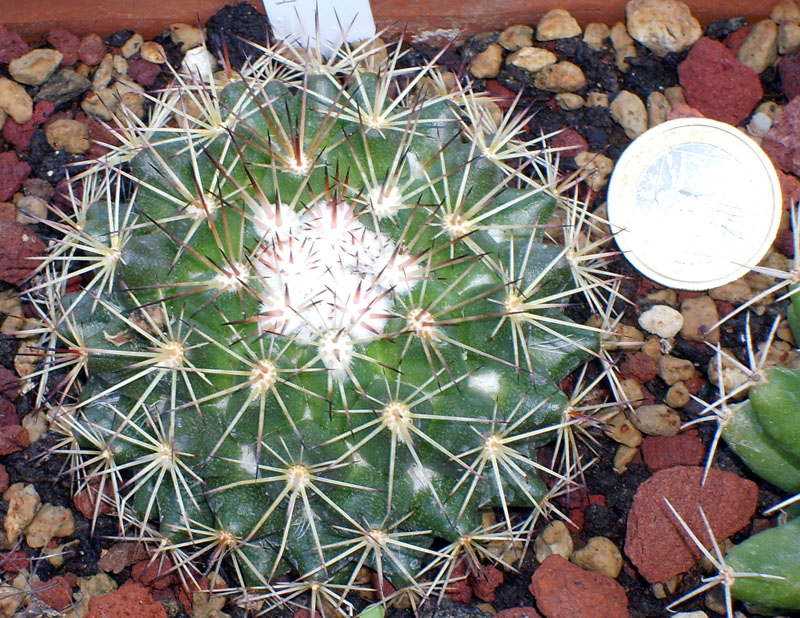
column 12, row 173
column 681, row 110
column 638, row 365
column 735, row 39
column 9, row 383
column 305, row 613
column 518, row 612
column 565, row 590
column 8, row 413
column 789, row 72
column 784, row 242
column 485, row 582
column 55, row 592
column 13, row 438
column 19, row 248
column 695, row 383
column 782, row 141
column 143, row 72
column 717, row 84
column 157, row 573
column 571, row 141
column 503, row 96
column 8, row 211
column 3, row 478
column 655, row 541
column 460, row 590
column 131, row 600
column 577, row 519
column 14, row 561
column 685, row 449
column 382, row 585
column 724, row 307
column 85, row 500
column 12, row 46
column 65, row 42
column 92, row 49
column 790, row 189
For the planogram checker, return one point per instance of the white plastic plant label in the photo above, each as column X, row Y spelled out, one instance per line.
column 297, row 22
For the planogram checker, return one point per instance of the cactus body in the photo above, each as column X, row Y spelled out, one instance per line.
column 333, row 332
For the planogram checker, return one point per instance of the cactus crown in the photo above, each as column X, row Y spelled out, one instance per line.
column 320, row 320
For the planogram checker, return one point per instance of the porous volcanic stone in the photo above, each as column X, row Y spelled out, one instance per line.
column 789, row 72
column 565, row 590
column 655, row 541
column 18, row 244
column 717, row 84
column 132, row 600
column 661, row 452
column 782, row 141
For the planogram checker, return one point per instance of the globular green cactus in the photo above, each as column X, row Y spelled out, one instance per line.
column 320, row 322
column 763, row 432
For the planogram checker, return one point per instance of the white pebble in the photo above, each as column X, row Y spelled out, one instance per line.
column 662, row 320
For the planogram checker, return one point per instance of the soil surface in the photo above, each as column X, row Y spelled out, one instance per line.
column 34, row 168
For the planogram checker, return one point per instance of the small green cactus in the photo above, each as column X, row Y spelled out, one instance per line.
column 320, row 323
column 763, row 432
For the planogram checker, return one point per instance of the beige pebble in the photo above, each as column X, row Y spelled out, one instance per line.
column 760, row 48
column 15, row 101
column 595, row 168
column 12, row 307
column 675, row 95
column 731, row 378
column 735, row 292
column 664, row 297
column 788, row 38
column 23, row 502
column 677, row 396
column 621, row 430
column 69, row 135
column 673, row 370
column 656, row 420
column 661, row 320
column 562, row 76
column 770, row 108
column 695, row 614
column 785, row 11
column 619, row 36
column 653, row 347
column 623, row 456
column 699, row 314
column 508, row 552
column 557, row 24
column 657, row 109
column 153, row 52
column 28, row 355
column 599, row 554
column 596, row 99
column 31, row 209
column 186, row 36
column 516, row 37
column 630, row 113
column 487, row 63
column 632, row 391
column 663, row 26
column 662, row 590
column 595, row 35
column 120, row 66
column 12, row 595
column 49, row 522
column 90, row 587
column 36, row 425
column 132, row 45
column 784, row 333
column 104, row 73
column 95, row 104
column 621, row 56
column 532, row 58
column 569, row 101
column 554, row 539
column 35, row 67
